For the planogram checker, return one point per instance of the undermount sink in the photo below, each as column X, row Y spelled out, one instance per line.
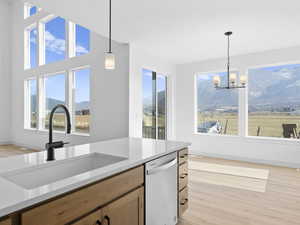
column 41, row 175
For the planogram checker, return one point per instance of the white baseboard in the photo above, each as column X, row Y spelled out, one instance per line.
column 237, row 158
column 5, row 142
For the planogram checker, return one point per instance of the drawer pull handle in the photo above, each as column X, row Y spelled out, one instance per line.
column 186, row 154
column 98, row 222
column 108, row 219
column 182, row 176
column 182, row 156
column 184, row 201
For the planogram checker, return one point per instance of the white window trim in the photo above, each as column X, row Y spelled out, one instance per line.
column 243, row 110
column 27, row 45
column 27, row 103
column 42, row 107
column 274, row 139
column 38, row 21
column 72, row 92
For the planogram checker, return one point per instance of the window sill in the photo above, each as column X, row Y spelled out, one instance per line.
column 263, row 140
column 217, row 135
column 56, row 132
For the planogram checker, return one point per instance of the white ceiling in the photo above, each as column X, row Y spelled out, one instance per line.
column 189, row 30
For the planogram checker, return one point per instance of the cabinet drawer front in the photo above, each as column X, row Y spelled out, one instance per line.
column 5, row 222
column 183, row 201
column 92, row 219
column 183, row 156
column 71, row 206
column 183, row 176
column 183, row 169
column 183, row 196
column 183, row 182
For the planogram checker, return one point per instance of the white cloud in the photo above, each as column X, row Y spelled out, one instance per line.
column 54, row 44
column 57, row 45
column 81, row 50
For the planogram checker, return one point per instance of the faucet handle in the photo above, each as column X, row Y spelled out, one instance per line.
column 66, row 143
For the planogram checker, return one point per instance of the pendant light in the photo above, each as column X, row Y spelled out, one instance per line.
column 231, row 77
column 110, row 62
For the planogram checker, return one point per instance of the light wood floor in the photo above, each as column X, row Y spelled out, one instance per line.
column 225, row 199
column 11, row 150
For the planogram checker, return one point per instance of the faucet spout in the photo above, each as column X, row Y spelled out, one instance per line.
column 59, row 144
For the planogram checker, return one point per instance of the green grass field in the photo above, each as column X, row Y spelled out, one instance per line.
column 82, row 123
column 270, row 124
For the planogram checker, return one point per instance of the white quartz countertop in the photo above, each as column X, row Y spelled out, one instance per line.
column 136, row 151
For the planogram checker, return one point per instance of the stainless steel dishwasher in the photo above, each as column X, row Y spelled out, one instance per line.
column 161, row 191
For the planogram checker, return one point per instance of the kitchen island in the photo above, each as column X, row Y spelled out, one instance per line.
column 85, row 183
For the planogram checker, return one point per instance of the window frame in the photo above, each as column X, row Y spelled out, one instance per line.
column 264, row 138
column 27, row 46
column 195, row 131
column 27, row 103
column 154, row 76
column 42, row 70
column 71, row 98
column 42, row 40
column 27, row 7
column 42, row 97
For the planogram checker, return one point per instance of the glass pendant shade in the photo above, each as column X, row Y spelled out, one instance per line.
column 216, row 81
column 243, row 80
column 232, row 78
column 110, row 62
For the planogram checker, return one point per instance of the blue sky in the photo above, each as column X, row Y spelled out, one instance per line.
column 147, row 83
column 55, row 46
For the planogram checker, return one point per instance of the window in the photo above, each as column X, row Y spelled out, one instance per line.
column 217, row 110
column 274, row 102
column 55, row 40
column 29, row 10
column 54, row 93
column 31, row 103
column 154, row 105
column 52, row 39
column 30, row 56
column 82, row 100
column 82, row 40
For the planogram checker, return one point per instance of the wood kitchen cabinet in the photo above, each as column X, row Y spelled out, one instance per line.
column 183, row 198
column 128, row 210
column 94, row 218
column 116, row 195
column 5, row 222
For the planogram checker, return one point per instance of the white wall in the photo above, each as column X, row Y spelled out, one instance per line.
column 5, row 37
column 281, row 152
column 109, row 89
column 140, row 60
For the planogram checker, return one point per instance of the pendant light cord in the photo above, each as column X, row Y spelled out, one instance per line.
column 228, row 60
column 109, row 51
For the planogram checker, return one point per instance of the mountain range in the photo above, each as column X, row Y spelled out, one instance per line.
column 269, row 89
column 51, row 103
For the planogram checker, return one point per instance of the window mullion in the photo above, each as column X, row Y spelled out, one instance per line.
column 70, row 39
column 41, row 102
column 41, row 44
column 70, row 96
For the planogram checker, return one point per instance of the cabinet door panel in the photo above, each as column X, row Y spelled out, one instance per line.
column 128, row 210
column 5, row 222
column 92, row 219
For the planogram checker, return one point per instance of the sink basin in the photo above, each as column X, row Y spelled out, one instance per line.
column 38, row 176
